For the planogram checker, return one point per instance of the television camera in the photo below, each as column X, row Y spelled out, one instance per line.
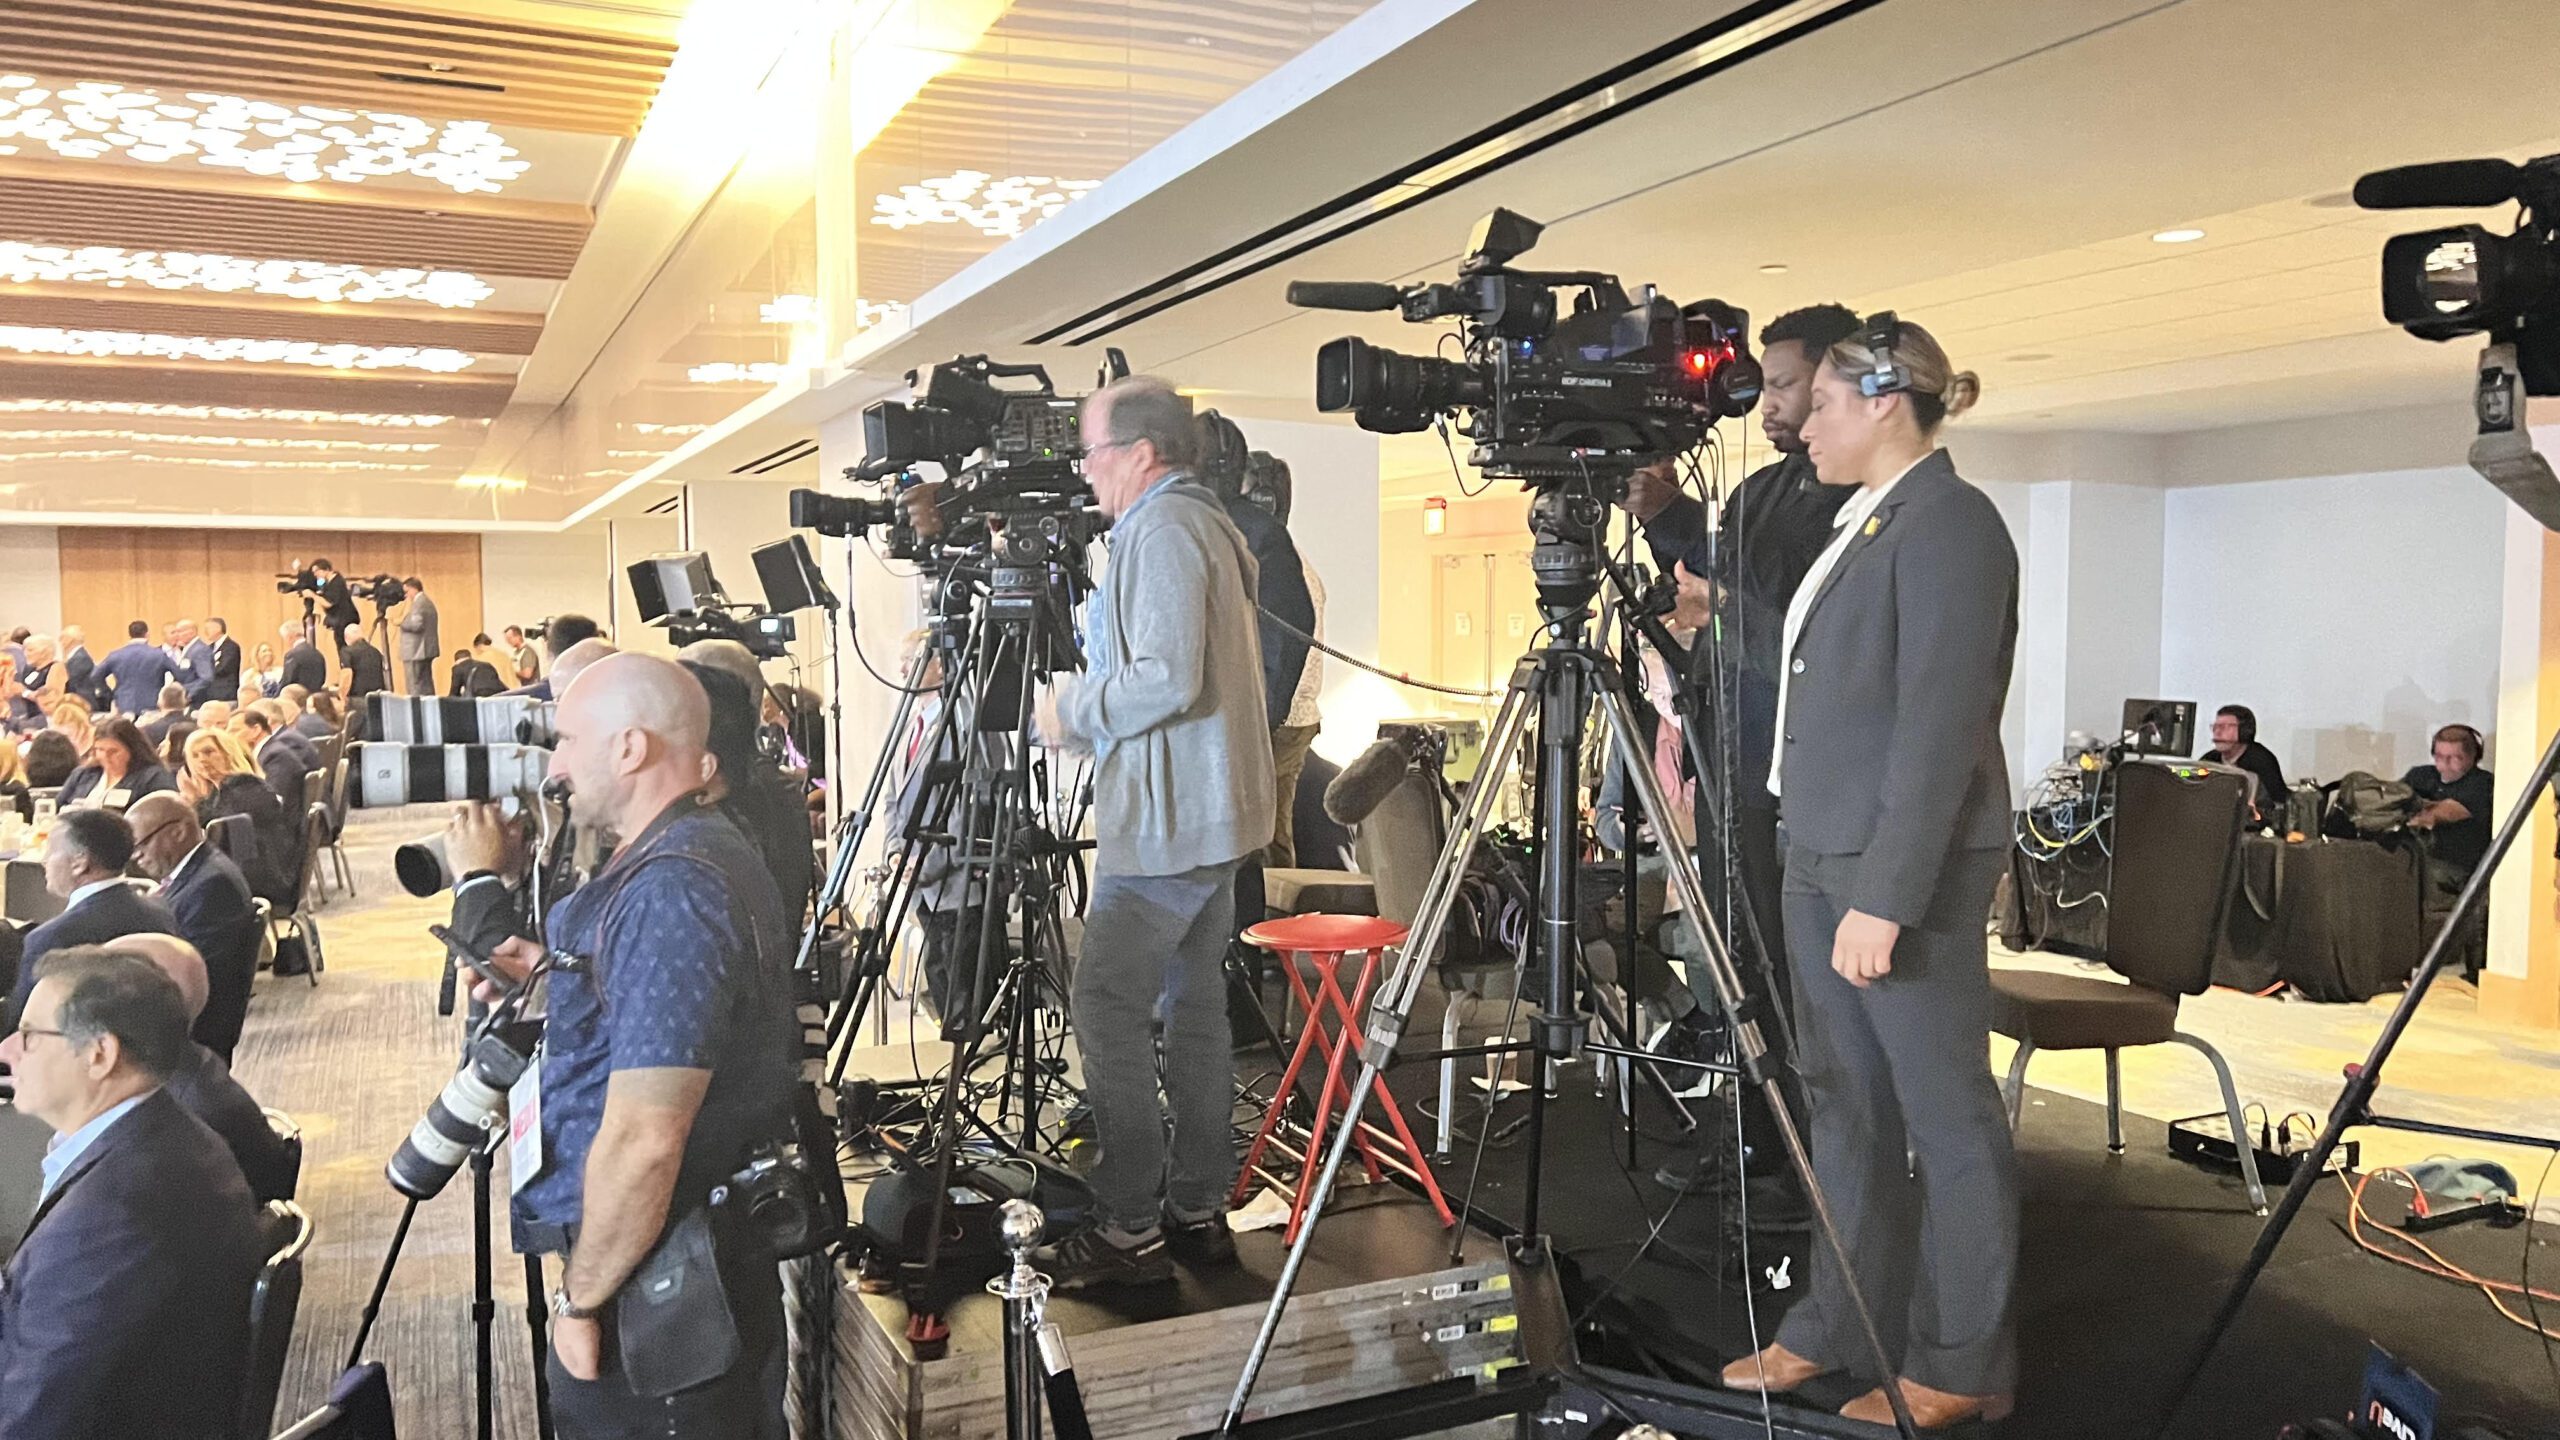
column 1023, row 500
column 678, row 593
column 2469, row 280
column 1568, row 403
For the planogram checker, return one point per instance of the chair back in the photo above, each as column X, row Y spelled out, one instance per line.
column 1398, row 843
column 273, row 1303
column 330, row 747
column 315, row 839
column 2177, row 841
column 282, row 1126
column 231, row 836
column 339, row 784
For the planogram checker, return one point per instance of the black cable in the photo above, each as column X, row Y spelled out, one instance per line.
column 2533, row 1303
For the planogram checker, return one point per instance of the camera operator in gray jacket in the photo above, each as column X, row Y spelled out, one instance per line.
column 1171, row 705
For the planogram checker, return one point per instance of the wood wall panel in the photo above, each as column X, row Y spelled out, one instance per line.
column 111, row 577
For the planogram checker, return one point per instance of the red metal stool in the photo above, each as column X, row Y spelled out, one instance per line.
column 1324, row 940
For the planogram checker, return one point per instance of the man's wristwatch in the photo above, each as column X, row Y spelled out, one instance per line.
column 564, row 1308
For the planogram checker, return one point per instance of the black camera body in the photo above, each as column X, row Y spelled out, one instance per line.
column 1029, row 463
column 383, row 590
column 2470, row 280
column 1547, row 398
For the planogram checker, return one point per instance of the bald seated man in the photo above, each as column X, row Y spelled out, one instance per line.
column 669, row 1056
column 202, row 1084
column 209, row 896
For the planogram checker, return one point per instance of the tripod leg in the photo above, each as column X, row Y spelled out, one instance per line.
column 381, row 1283
column 1394, row 1002
column 1752, row 1049
column 484, row 1299
column 537, row 1318
column 2354, row 1100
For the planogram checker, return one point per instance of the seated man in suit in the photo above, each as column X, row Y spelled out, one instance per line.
column 210, row 898
column 173, row 707
column 299, row 718
column 284, row 756
column 125, row 1311
column 302, row 663
column 84, row 863
column 203, row 1083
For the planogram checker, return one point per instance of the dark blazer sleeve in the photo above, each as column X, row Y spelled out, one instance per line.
column 60, row 1359
column 1677, row 533
column 1954, row 590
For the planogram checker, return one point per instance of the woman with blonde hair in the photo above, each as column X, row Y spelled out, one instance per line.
column 13, row 782
column 1895, row 798
column 263, row 673
column 71, row 717
column 222, row 778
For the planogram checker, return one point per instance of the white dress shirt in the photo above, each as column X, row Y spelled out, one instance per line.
column 67, row 1148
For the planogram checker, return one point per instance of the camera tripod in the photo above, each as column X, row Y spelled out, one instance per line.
column 2355, row 1100
column 977, row 796
column 1558, row 683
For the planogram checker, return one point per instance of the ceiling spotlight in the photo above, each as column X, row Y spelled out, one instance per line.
column 301, row 143
column 134, row 344
column 22, row 263
column 976, row 199
column 2178, row 237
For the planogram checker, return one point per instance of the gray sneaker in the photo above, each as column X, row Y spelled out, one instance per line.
column 1088, row 1258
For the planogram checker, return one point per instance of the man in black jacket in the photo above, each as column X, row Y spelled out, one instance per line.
column 367, row 670
column 125, row 1310
column 337, row 604
column 84, row 863
column 302, row 664
column 225, row 684
column 210, row 898
column 203, row 1083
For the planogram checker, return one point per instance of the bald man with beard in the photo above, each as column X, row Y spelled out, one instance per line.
column 670, row 1054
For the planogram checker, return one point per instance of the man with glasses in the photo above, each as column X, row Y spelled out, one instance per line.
column 209, row 897
column 125, row 1310
column 84, row 864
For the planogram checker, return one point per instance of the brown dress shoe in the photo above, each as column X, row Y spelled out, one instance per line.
column 1930, row 1409
column 1773, row 1371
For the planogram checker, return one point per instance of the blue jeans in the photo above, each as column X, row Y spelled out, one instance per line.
column 1154, row 956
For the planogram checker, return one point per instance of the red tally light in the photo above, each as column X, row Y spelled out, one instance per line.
column 1700, row 362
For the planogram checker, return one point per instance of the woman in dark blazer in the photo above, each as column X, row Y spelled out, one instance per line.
column 222, row 778
column 1894, row 798
column 122, row 768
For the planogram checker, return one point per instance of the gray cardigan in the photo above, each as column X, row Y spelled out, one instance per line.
column 1171, row 698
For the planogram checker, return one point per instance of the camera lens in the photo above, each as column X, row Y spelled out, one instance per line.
column 457, row 1122
column 1389, row 393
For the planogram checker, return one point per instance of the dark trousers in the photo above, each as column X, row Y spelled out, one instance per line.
column 743, row 1404
column 1902, row 1069
column 1757, row 910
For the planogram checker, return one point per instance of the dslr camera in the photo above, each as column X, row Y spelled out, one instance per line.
column 2469, row 280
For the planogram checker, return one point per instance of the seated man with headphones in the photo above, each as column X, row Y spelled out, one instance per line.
column 2455, row 798
column 2235, row 742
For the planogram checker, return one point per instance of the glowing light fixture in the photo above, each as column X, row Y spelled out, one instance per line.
column 488, row 482
column 233, row 442
column 2178, row 237
column 724, row 372
column 21, row 264
column 302, row 143
column 979, row 200
column 218, row 462
column 256, row 414
column 1435, row 516
column 789, row 310
column 135, row 344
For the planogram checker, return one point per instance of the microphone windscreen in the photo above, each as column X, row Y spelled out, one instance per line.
column 1344, row 295
column 2444, row 182
column 1365, row 783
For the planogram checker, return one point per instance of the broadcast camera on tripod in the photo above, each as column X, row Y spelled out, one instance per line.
column 981, row 858
column 1571, row 404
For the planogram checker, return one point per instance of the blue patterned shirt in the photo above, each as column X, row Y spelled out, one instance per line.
column 687, row 960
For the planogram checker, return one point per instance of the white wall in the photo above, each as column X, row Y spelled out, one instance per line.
column 30, row 578
column 2353, row 613
column 524, row 577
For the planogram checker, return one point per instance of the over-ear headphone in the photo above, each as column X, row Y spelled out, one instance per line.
column 1885, row 374
column 2465, row 736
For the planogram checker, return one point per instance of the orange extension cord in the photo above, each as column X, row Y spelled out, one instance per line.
column 2435, row 1264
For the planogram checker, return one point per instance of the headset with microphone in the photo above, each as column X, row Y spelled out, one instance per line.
column 1885, row 373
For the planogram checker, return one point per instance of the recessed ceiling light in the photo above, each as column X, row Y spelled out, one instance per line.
column 246, row 413
column 21, row 263
column 302, row 143
column 1773, row 269
column 2177, row 237
column 231, row 442
column 135, row 344
column 217, row 462
column 2026, row 355
column 976, row 199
